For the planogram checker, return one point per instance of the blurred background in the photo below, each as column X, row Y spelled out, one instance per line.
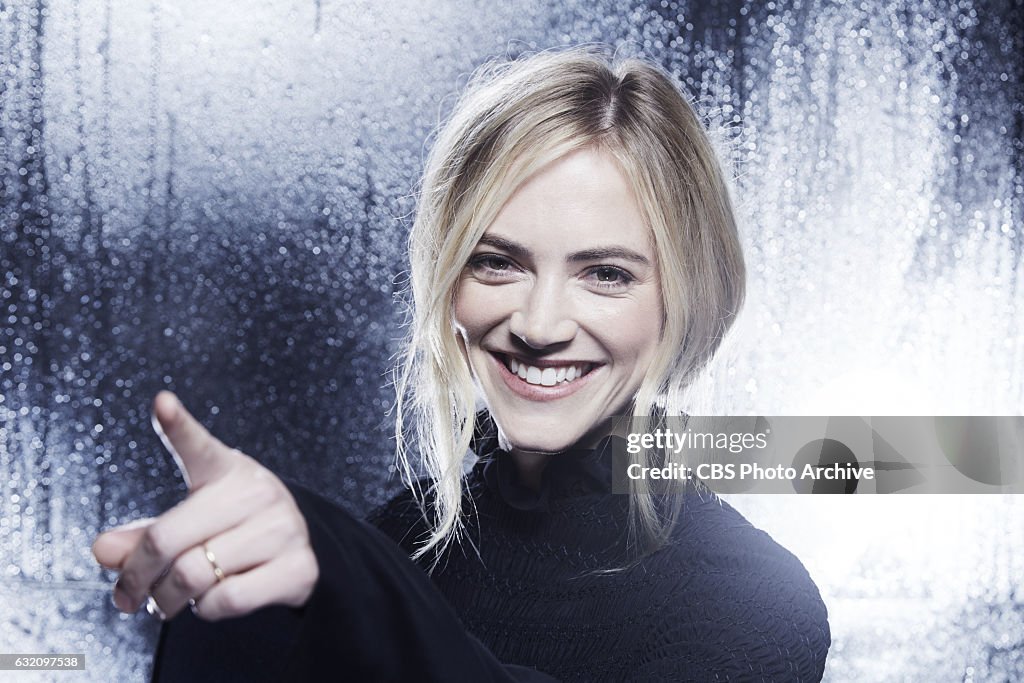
column 213, row 197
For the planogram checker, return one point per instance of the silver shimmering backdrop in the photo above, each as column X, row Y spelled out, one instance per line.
column 213, row 196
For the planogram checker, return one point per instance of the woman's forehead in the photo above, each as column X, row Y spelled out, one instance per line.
column 580, row 199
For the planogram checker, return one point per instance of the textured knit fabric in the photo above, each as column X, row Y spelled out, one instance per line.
column 723, row 601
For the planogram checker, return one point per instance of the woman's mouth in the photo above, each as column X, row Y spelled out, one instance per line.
column 546, row 381
column 547, row 376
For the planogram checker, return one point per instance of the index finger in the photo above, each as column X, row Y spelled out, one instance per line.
column 200, row 456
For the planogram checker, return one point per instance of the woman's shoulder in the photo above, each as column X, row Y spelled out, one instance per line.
column 713, row 535
column 760, row 605
column 715, row 531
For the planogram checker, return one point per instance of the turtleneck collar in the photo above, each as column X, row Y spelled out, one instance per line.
column 575, row 472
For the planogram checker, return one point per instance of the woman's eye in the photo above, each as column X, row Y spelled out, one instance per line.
column 495, row 263
column 491, row 264
column 611, row 277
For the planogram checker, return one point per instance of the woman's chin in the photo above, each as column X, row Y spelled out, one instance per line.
column 539, row 444
column 551, row 434
column 543, row 448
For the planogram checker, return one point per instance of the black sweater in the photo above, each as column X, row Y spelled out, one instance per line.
column 722, row 601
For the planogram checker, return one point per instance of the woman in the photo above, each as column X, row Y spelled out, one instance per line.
column 574, row 258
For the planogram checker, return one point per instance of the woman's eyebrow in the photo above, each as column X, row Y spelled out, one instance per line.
column 597, row 254
column 602, row 253
column 513, row 248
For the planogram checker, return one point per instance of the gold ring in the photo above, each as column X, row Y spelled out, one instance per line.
column 217, row 571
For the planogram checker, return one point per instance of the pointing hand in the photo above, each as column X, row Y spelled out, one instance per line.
column 238, row 542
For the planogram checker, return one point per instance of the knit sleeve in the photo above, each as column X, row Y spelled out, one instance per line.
column 382, row 611
column 373, row 616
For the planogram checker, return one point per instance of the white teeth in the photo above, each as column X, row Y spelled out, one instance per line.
column 547, row 377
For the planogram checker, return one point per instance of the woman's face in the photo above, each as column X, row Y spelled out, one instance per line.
column 559, row 307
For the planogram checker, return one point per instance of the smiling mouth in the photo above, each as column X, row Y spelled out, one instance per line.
column 548, row 375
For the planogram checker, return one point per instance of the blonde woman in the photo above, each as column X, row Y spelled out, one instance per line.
column 574, row 258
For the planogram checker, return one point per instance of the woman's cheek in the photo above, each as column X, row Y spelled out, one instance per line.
column 479, row 307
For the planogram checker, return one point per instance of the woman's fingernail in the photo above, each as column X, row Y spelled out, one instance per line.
column 121, row 599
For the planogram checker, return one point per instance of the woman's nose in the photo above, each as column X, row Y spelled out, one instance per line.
column 543, row 319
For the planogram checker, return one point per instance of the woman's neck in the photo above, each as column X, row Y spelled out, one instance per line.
column 530, row 466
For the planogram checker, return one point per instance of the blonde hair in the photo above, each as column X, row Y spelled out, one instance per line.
column 513, row 119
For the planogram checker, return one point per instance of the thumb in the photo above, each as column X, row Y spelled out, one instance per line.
column 200, row 456
column 111, row 548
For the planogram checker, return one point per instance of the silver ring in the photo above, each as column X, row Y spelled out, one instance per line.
column 194, row 606
column 154, row 609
